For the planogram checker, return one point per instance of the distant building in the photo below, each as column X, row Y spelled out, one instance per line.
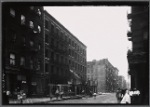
column 121, row 82
column 102, row 76
column 138, row 57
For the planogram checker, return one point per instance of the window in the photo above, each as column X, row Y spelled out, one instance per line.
column 65, row 37
column 13, row 36
column 62, row 36
column 52, row 69
column 39, row 12
column 39, row 29
column 145, row 35
column 59, row 35
column 24, row 41
column 12, row 59
column 57, row 31
column 46, row 38
column 38, row 65
column 46, row 53
column 22, row 61
column 52, row 28
column 31, row 24
column 52, row 42
column 31, row 7
column 62, row 58
column 55, row 43
column 57, row 57
column 69, row 41
column 75, row 45
column 69, row 52
column 12, row 12
column 31, row 63
column 31, row 43
column 46, row 24
column 22, row 19
column 46, row 67
column 52, row 56
column 39, row 46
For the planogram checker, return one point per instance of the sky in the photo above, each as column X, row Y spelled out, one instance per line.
column 103, row 29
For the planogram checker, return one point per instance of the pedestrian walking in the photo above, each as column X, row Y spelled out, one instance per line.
column 126, row 99
column 94, row 94
column 51, row 96
column 5, row 98
column 83, row 92
column 61, row 94
column 21, row 96
column 119, row 95
column 57, row 93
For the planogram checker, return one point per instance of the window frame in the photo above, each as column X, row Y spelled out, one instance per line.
column 39, row 29
column 46, row 24
column 12, row 12
column 31, row 43
column 23, row 19
column 22, row 62
column 31, row 24
column 12, row 61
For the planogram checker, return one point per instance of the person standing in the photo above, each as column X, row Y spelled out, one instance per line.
column 135, row 96
column 126, row 99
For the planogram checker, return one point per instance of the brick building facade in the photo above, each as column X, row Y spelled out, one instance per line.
column 138, row 56
column 65, row 56
column 22, row 51
column 102, row 76
column 39, row 52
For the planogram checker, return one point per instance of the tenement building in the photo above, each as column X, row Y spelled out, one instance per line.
column 22, row 49
column 102, row 76
column 122, row 84
column 138, row 57
column 65, row 57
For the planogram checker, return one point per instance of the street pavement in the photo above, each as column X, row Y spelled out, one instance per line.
column 109, row 98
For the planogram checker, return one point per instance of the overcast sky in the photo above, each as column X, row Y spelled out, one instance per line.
column 103, row 29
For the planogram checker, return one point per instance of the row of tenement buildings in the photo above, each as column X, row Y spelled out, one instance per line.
column 39, row 53
column 102, row 76
column 138, row 57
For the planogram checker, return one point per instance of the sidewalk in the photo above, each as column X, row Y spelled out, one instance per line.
column 42, row 100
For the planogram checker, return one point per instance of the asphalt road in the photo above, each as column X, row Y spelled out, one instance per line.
column 109, row 98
